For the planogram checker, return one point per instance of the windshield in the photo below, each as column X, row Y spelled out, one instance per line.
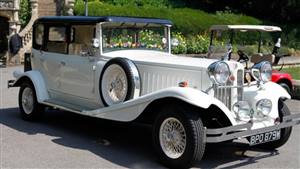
column 124, row 36
column 242, row 40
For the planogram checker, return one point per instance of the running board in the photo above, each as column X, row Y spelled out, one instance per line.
column 65, row 106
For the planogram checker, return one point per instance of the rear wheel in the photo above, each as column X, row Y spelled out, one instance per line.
column 30, row 109
column 178, row 137
column 285, row 132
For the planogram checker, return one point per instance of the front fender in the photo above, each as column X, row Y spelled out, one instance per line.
column 131, row 109
column 38, row 82
column 269, row 90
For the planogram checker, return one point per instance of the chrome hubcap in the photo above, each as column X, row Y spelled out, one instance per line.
column 27, row 100
column 172, row 137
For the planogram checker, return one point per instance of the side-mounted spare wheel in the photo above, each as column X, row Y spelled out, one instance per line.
column 30, row 109
column 178, row 136
column 119, row 81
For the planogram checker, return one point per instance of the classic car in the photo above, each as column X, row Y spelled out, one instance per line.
column 122, row 69
column 258, row 34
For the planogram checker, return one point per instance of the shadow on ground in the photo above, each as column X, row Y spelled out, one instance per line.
column 127, row 145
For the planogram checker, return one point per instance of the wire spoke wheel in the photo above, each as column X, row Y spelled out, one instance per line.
column 119, row 81
column 178, row 135
column 172, row 137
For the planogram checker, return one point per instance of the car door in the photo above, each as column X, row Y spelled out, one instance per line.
column 78, row 67
column 52, row 54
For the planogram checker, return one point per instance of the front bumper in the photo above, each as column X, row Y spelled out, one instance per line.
column 244, row 130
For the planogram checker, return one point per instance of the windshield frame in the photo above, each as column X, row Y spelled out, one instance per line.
column 167, row 29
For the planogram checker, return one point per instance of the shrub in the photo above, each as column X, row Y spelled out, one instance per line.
column 187, row 21
column 181, row 48
column 197, row 44
column 25, row 12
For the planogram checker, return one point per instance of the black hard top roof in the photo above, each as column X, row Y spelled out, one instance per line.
column 98, row 19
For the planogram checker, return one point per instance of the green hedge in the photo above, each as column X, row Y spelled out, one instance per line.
column 186, row 20
column 192, row 24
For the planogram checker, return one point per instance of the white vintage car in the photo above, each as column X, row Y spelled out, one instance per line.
column 122, row 69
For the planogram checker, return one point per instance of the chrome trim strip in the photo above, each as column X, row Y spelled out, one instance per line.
column 244, row 130
column 240, row 82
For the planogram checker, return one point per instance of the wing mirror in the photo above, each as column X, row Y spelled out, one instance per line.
column 95, row 43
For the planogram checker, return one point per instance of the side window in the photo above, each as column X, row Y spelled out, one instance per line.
column 57, row 40
column 81, row 38
column 38, row 36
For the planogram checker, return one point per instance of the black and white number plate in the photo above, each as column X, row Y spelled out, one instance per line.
column 264, row 137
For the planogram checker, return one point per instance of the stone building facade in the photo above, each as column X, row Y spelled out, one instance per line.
column 9, row 21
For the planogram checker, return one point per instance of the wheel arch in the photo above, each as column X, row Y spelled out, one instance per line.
column 36, row 79
column 212, row 117
column 286, row 81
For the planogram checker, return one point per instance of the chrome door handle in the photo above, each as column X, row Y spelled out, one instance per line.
column 63, row 63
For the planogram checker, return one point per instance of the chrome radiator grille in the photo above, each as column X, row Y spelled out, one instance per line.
column 224, row 94
column 232, row 91
column 240, row 83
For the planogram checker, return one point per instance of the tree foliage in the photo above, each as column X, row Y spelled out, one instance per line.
column 25, row 12
column 274, row 10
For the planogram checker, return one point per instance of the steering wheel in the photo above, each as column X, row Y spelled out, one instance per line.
column 242, row 57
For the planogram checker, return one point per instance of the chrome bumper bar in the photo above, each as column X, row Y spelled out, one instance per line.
column 244, row 130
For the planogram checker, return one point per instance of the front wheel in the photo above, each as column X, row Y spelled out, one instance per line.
column 178, row 137
column 30, row 109
column 285, row 132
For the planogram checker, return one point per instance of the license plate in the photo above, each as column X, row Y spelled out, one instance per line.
column 264, row 137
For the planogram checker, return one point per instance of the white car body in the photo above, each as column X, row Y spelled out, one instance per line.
column 131, row 84
column 74, row 86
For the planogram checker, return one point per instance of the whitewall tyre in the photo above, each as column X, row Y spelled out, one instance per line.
column 119, row 81
column 30, row 109
column 178, row 137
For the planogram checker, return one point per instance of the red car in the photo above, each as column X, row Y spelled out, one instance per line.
column 283, row 79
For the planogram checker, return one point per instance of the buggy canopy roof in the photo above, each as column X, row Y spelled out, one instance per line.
column 99, row 19
column 261, row 28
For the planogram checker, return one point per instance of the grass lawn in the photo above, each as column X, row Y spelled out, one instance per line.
column 294, row 71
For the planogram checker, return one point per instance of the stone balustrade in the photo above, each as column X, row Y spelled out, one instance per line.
column 7, row 5
column 26, row 33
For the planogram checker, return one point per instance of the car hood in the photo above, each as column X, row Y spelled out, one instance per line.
column 156, row 57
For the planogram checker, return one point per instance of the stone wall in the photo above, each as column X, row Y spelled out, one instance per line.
column 50, row 7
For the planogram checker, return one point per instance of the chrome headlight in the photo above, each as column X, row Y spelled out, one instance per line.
column 262, row 71
column 264, row 106
column 219, row 72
